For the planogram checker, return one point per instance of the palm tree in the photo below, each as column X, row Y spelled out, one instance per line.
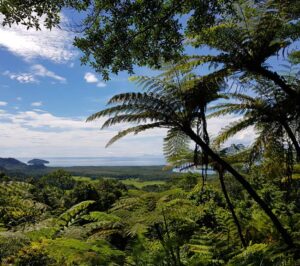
column 178, row 106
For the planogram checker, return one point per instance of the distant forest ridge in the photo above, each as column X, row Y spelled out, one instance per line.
column 102, row 161
column 15, row 167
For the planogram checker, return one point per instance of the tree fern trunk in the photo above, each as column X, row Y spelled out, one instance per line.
column 293, row 139
column 231, row 208
column 226, row 166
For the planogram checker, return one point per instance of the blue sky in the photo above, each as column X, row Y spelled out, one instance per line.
column 46, row 95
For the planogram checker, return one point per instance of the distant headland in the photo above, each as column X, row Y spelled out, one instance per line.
column 12, row 164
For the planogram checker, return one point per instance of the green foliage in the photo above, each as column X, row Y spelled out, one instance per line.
column 187, row 181
column 11, row 243
column 59, row 178
column 202, row 194
column 265, row 113
column 262, row 254
column 203, row 246
column 175, row 226
column 68, row 252
column 35, row 256
column 18, row 204
column 167, row 102
column 117, row 35
column 72, row 215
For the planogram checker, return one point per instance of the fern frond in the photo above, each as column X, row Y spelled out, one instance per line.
column 176, row 147
column 227, row 108
column 233, row 129
column 135, row 130
column 70, row 216
column 154, row 85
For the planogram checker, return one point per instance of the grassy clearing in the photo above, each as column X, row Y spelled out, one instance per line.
column 140, row 184
column 82, row 179
column 129, row 181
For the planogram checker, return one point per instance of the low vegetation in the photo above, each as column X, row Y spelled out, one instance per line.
column 64, row 220
column 119, row 172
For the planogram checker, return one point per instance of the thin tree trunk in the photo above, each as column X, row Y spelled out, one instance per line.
column 292, row 138
column 279, row 81
column 231, row 208
column 283, row 232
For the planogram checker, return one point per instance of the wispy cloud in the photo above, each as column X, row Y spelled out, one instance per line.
column 41, row 71
column 21, row 77
column 36, row 104
column 3, row 103
column 91, row 78
column 39, row 110
column 101, row 84
column 36, row 133
column 54, row 45
column 37, row 70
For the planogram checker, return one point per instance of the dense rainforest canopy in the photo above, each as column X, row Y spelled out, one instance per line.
column 248, row 213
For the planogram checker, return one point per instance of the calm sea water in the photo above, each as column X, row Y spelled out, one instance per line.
column 194, row 170
column 100, row 161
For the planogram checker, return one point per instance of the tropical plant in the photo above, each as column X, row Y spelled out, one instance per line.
column 179, row 106
column 187, row 160
column 263, row 112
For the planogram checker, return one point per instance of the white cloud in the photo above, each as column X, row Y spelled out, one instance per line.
column 42, row 134
column 101, row 84
column 21, row 77
column 39, row 110
column 54, row 45
column 91, row 78
column 216, row 124
column 30, row 77
column 36, row 104
column 19, row 98
column 39, row 70
column 3, row 103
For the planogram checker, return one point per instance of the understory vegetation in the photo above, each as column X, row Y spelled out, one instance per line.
column 64, row 220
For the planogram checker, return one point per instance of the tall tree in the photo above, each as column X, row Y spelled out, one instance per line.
column 116, row 34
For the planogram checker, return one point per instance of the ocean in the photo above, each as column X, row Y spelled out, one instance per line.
column 99, row 161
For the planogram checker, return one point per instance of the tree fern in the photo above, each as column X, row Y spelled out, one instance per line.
column 72, row 215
